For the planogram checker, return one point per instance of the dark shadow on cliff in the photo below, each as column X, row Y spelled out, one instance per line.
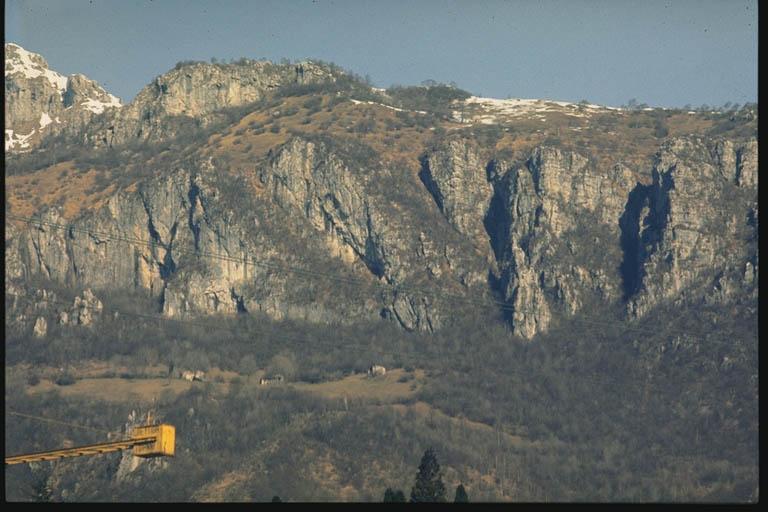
column 426, row 178
column 631, row 268
column 497, row 223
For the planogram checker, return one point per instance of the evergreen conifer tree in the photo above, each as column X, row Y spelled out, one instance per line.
column 429, row 487
column 461, row 495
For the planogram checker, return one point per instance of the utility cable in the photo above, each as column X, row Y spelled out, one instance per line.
column 310, row 273
column 40, row 418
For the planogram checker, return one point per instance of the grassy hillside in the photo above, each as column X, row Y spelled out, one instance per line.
column 589, row 412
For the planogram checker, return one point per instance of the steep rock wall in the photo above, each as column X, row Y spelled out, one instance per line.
column 561, row 236
column 189, row 95
column 40, row 102
column 698, row 228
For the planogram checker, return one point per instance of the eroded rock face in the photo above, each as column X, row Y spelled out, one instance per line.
column 179, row 238
column 456, row 177
column 164, row 216
column 698, row 228
column 542, row 220
column 307, row 178
column 550, row 216
column 41, row 102
column 43, row 304
column 350, row 208
column 565, row 233
column 13, row 263
column 190, row 94
column 85, row 309
column 552, row 237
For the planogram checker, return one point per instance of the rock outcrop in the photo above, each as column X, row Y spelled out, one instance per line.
column 191, row 94
column 40, row 328
column 351, row 209
column 179, row 238
column 548, row 217
column 552, row 237
column 536, row 218
column 136, row 241
column 36, row 308
column 697, row 230
column 455, row 175
column 565, row 233
column 40, row 102
column 84, row 310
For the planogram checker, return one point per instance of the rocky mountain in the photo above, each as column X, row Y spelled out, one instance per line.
column 564, row 296
column 533, row 234
column 192, row 93
column 41, row 102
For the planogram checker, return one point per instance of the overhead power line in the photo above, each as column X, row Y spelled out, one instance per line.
column 48, row 420
column 485, row 303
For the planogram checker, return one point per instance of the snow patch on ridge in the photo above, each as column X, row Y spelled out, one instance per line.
column 358, row 102
column 489, row 110
column 31, row 65
column 98, row 106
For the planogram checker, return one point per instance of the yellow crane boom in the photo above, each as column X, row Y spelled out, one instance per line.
column 146, row 441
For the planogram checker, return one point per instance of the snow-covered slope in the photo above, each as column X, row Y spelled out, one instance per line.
column 40, row 101
column 493, row 110
column 31, row 65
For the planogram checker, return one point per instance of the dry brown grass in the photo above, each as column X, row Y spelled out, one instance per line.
column 61, row 184
column 385, row 388
column 116, row 389
column 97, row 381
column 609, row 138
column 426, row 411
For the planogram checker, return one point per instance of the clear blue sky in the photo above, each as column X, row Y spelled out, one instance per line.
column 661, row 52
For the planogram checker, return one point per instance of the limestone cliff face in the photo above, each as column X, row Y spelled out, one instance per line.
column 456, row 177
column 565, row 233
column 353, row 211
column 190, row 94
column 181, row 238
column 328, row 233
column 41, row 102
column 139, row 239
column 547, row 220
column 697, row 228
column 560, row 211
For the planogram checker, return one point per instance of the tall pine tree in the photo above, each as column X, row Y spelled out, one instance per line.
column 429, row 487
column 461, row 495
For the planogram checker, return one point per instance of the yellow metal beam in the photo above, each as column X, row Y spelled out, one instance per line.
column 148, row 441
column 92, row 449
